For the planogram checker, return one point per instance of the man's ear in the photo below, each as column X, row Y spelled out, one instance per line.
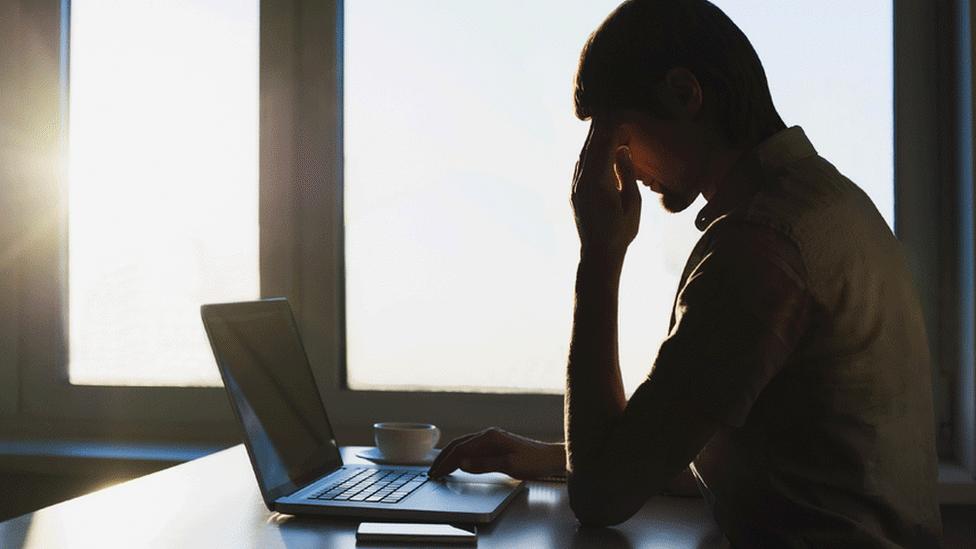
column 683, row 91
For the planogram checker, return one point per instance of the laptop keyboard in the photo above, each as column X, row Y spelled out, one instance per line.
column 373, row 485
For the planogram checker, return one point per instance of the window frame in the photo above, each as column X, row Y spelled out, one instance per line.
column 301, row 242
column 936, row 231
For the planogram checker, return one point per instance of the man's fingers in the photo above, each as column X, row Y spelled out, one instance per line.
column 586, row 144
column 481, row 444
column 461, row 447
column 575, row 179
column 626, row 181
column 446, row 452
column 577, row 170
column 594, row 158
column 622, row 167
column 439, row 467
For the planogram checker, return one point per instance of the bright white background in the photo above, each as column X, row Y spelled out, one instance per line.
column 460, row 141
column 163, row 183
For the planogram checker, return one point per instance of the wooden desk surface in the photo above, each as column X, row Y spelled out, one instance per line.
column 214, row 502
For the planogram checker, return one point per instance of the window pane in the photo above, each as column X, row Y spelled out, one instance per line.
column 460, row 142
column 163, row 183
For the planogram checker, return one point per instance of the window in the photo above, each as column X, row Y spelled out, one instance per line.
column 162, row 184
column 459, row 142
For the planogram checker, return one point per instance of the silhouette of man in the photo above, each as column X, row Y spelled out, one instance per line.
column 795, row 377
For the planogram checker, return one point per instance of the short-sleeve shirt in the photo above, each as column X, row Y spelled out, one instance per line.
column 798, row 326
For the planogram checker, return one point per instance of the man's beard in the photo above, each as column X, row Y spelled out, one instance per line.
column 677, row 202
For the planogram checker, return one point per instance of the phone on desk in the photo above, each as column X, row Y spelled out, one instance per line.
column 414, row 532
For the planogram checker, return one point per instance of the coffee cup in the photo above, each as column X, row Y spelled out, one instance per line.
column 405, row 442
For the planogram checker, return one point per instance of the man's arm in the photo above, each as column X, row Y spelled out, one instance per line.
column 594, row 389
column 619, row 453
column 738, row 317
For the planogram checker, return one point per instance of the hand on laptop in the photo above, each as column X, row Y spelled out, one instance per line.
column 495, row 450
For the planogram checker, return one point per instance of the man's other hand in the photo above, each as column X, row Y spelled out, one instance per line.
column 495, row 450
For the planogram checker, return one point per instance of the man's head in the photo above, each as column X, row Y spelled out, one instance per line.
column 683, row 88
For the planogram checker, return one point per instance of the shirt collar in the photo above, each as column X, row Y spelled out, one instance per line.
column 782, row 148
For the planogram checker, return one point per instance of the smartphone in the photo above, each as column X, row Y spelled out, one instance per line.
column 408, row 531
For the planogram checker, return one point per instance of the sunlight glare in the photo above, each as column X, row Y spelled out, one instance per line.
column 162, row 192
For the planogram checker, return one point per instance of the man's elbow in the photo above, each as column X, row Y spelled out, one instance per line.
column 597, row 508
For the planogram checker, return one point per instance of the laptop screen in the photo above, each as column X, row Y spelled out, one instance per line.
column 267, row 376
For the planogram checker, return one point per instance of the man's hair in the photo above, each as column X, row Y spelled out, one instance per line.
column 630, row 53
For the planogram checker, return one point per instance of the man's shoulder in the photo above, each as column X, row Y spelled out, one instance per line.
column 817, row 221
column 798, row 192
column 814, row 205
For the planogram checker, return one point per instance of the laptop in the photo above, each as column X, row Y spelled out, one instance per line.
column 291, row 445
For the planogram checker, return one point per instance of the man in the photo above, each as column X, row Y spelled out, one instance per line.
column 795, row 375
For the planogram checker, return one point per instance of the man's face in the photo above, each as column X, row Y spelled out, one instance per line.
column 667, row 156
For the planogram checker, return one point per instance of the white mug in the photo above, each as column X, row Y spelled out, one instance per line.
column 405, row 442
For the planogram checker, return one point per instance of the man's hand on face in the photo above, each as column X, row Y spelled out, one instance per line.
column 605, row 197
column 495, row 450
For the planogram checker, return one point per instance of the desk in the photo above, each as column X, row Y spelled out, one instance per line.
column 214, row 502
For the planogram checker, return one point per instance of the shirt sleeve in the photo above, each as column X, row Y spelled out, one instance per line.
column 738, row 317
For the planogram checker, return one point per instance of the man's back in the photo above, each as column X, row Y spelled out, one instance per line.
column 837, row 449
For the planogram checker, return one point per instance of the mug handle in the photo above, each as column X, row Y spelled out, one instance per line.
column 437, row 436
